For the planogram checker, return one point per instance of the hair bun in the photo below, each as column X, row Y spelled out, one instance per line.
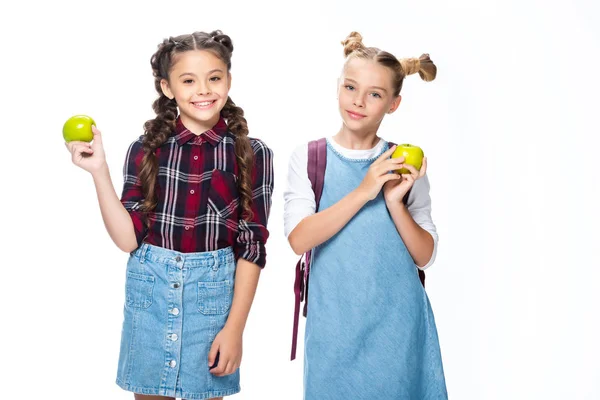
column 422, row 65
column 223, row 39
column 352, row 43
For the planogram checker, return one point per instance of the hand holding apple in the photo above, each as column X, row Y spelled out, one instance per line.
column 378, row 174
column 413, row 155
column 394, row 191
column 79, row 128
column 88, row 156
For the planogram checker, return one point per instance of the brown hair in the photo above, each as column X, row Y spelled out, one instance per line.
column 158, row 130
column 354, row 47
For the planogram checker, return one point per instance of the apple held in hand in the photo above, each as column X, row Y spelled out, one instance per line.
column 78, row 127
column 413, row 155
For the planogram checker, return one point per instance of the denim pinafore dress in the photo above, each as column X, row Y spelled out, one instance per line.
column 370, row 330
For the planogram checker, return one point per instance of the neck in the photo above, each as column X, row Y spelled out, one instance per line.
column 356, row 140
column 199, row 127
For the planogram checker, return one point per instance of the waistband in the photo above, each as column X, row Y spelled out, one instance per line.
column 171, row 257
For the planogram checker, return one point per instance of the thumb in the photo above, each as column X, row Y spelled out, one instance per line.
column 97, row 135
column 212, row 354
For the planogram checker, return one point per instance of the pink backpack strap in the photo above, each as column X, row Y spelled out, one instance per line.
column 317, row 161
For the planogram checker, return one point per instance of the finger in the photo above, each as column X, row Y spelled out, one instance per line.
column 423, row 169
column 385, row 155
column 391, row 164
column 97, row 134
column 408, row 177
column 413, row 171
column 391, row 177
column 212, row 354
column 393, row 161
column 71, row 145
column 220, row 368
column 229, row 369
column 82, row 148
column 391, row 184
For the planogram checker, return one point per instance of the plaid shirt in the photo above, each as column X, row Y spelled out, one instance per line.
column 198, row 205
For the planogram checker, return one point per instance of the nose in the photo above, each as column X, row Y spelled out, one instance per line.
column 202, row 89
column 358, row 100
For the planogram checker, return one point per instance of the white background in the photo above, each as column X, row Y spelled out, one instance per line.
column 510, row 127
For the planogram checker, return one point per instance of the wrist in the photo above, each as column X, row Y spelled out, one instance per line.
column 100, row 172
column 397, row 204
column 361, row 196
column 234, row 328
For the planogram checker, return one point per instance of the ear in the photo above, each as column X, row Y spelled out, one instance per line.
column 164, row 85
column 228, row 81
column 395, row 104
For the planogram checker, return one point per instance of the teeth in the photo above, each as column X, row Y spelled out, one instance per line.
column 204, row 103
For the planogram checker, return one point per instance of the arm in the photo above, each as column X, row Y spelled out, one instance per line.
column 308, row 229
column 320, row 227
column 117, row 220
column 413, row 221
column 418, row 241
column 251, row 255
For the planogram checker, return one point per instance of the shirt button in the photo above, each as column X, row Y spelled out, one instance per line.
column 192, row 191
column 175, row 311
column 187, row 227
column 172, row 363
column 173, row 337
column 176, row 285
column 195, row 157
column 178, row 258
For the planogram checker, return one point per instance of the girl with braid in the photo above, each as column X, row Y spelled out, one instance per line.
column 193, row 214
column 370, row 330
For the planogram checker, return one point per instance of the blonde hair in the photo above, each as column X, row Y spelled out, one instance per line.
column 354, row 48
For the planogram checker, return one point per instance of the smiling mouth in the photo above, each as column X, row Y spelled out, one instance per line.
column 354, row 115
column 203, row 104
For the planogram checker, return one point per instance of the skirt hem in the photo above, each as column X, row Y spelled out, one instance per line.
column 177, row 393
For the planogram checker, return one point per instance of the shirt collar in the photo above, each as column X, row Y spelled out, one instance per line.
column 212, row 136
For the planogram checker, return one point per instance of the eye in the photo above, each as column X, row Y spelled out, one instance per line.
column 188, row 81
column 376, row 95
column 215, row 78
column 349, row 87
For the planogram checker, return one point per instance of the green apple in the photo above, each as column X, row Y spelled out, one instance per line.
column 412, row 154
column 78, row 127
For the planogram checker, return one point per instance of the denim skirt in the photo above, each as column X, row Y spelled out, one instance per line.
column 175, row 305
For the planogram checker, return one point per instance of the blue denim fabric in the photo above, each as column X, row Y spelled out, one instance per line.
column 370, row 330
column 175, row 304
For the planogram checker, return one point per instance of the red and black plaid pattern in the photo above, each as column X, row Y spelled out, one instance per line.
column 198, row 200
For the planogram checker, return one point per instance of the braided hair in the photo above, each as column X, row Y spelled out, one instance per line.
column 158, row 129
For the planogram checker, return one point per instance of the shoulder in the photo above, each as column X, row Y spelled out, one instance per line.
column 300, row 151
column 387, row 143
column 259, row 146
column 135, row 151
column 137, row 145
column 299, row 157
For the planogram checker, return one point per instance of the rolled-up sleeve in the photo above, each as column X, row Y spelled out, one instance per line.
column 253, row 234
column 132, row 196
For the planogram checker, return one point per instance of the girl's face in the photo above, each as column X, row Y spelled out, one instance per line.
column 199, row 82
column 365, row 95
